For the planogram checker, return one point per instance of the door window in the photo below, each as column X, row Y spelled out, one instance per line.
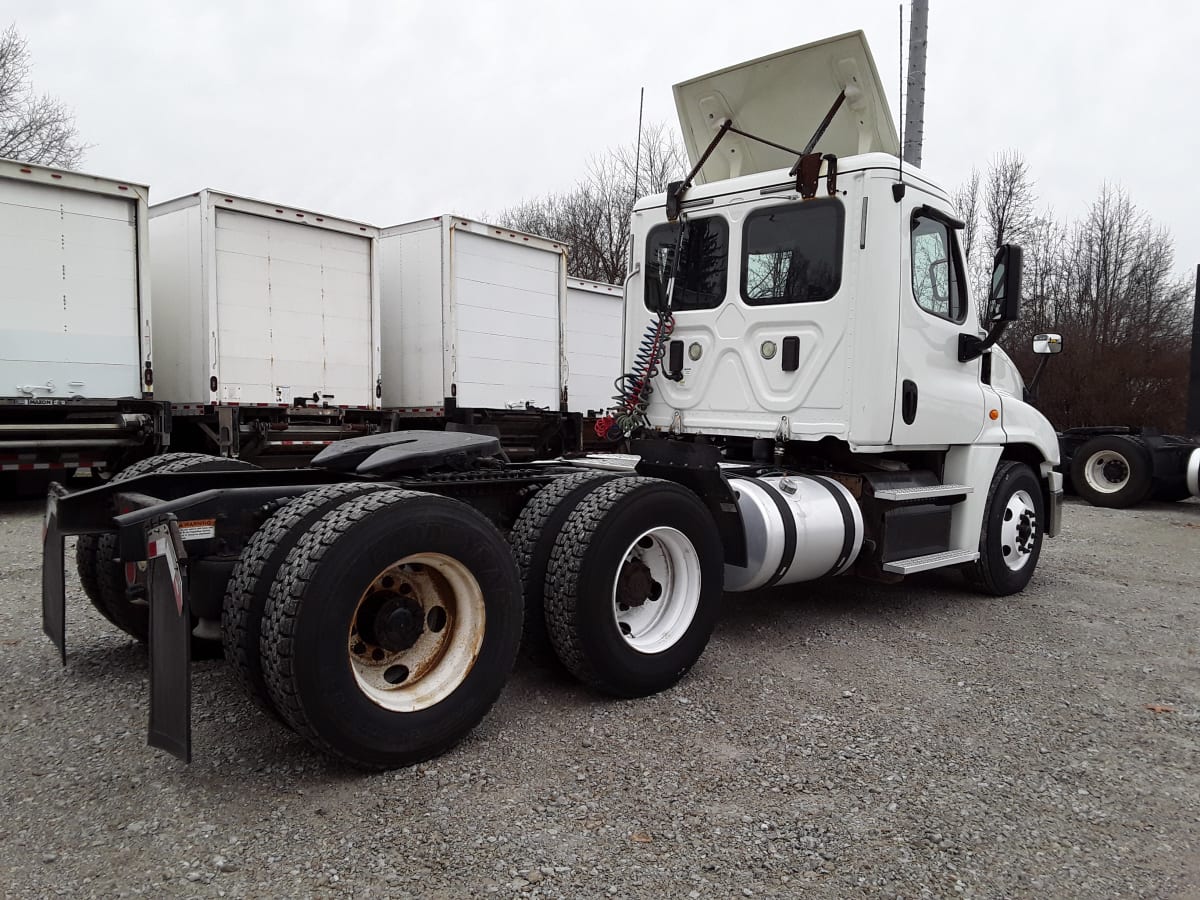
column 937, row 278
column 793, row 253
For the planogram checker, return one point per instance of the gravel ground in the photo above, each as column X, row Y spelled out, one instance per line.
column 837, row 740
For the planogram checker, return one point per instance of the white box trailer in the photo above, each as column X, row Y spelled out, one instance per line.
column 472, row 318
column 76, row 371
column 595, row 316
column 267, row 311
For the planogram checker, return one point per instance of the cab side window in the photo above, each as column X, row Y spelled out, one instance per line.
column 700, row 275
column 937, row 278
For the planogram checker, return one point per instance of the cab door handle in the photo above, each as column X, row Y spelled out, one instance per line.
column 908, row 402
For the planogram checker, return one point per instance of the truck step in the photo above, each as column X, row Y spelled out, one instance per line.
column 926, row 492
column 931, row 561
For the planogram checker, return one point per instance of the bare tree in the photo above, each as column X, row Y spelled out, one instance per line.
column 592, row 218
column 1008, row 200
column 36, row 128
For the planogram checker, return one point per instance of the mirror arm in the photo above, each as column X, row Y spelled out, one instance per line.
column 1031, row 391
column 972, row 346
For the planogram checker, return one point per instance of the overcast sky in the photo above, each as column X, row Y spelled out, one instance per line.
column 392, row 111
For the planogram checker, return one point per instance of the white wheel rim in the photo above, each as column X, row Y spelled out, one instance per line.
column 1018, row 531
column 657, row 590
column 416, row 632
column 1106, row 471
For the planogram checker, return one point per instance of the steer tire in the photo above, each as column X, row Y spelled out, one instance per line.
column 319, row 642
column 1130, row 480
column 532, row 540
column 608, row 537
column 1007, row 555
column 250, row 583
column 105, row 572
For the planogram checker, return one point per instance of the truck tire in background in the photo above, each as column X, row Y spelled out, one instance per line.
column 1114, row 471
column 250, row 583
column 1010, row 542
column 391, row 627
column 634, row 586
column 103, row 575
column 532, row 539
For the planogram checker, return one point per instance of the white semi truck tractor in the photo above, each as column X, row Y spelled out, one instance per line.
column 807, row 395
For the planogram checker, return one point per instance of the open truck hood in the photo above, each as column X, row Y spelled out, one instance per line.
column 783, row 98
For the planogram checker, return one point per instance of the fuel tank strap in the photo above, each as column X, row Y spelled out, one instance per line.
column 847, row 518
column 788, row 519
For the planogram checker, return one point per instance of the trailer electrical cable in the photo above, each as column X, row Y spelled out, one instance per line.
column 633, row 389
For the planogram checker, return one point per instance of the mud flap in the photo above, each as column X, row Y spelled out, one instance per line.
column 54, row 588
column 170, row 640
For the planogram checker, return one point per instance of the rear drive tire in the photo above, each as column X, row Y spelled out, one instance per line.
column 1013, row 527
column 635, row 586
column 87, row 545
column 392, row 627
column 532, row 539
column 250, row 583
column 1114, row 471
column 108, row 572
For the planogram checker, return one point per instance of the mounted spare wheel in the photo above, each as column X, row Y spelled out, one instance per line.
column 391, row 627
column 1010, row 542
column 634, row 585
column 250, row 582
column 1113, row 470
column 103, row 575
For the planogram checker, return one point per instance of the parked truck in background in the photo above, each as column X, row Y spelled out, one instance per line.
column 807, row 393
column 473, row 330
column 269, row 326
column 595, row 315
column 1114, row 466
column 77, row 374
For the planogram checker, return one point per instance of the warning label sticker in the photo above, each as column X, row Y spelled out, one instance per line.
column 198, row 529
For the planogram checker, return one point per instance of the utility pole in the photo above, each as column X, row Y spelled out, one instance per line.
column 1193, row 409
column 914, row 110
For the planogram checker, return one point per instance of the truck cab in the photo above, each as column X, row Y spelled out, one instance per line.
column 827, row 325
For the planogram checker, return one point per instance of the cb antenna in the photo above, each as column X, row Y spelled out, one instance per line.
column 637, row 160
column 898, row 187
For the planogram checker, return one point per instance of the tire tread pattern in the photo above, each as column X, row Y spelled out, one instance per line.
column 562, row 581
column 289, row 592
column 531, row 541
column 246, row 592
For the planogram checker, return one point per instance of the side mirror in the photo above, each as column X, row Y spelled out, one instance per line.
column 1004, row 299
column 1047, row 343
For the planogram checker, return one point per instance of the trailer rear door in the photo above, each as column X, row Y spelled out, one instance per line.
column 294, row 312
column 68, row 294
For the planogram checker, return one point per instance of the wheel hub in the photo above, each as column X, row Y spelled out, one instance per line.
column 635, row 584
column 391, row 621
column 1115, row 471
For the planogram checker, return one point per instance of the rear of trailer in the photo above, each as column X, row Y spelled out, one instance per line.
column 594, row 335
column 270, row 325
column 472, row 324
column 76, row 373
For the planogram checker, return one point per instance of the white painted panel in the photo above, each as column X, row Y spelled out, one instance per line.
column 594, row 340
column 182, row 344
column 506, row 308
column 294, row 304
column 68, row 293
column 411, row 316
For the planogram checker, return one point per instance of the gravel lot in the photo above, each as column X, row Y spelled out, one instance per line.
column 837, row 740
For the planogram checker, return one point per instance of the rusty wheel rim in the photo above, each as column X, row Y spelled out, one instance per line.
column 416, row 632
